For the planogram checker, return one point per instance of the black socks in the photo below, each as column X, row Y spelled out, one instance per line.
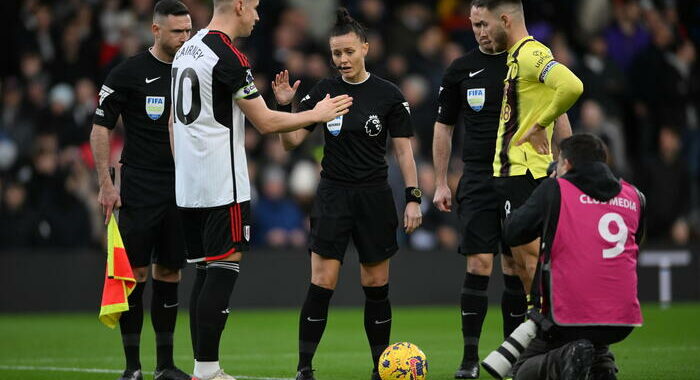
column 312, row 322
column 377, row 319
column 163, row 316
column 513, row 304
column 314, row 316
column 200, row 276
column 130, row 324
column 474, row 303
column 212, row 308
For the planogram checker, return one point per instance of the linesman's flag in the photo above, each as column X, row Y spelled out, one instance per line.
column 119, row 278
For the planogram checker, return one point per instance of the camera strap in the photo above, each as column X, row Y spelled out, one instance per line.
column 541, row 275
column 543, row 263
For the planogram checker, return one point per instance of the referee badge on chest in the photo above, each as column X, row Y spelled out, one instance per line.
column 335, row 125
column 155, row 105
column 476, row 97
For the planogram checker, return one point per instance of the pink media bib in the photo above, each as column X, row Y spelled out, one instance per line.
column 594, row 259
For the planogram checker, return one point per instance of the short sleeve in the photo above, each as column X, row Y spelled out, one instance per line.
column 113, row 96
column 237, row 79
column 309, row 101
column 399, row 118
column 536, row 63
column 449, row 98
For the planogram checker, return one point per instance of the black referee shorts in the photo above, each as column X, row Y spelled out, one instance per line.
column 477, row 207
column 152, row 234
column 216, row 233
column 367, row 214
column 513, row 192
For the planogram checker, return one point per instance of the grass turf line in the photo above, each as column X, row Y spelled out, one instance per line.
column 262, row 344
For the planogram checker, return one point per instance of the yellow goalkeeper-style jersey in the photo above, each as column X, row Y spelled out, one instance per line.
column 538, row 89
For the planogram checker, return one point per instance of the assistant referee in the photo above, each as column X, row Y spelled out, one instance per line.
column 473, row 87
column 138, row 90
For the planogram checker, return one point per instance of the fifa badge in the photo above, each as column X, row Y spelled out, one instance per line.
column 476, row 97
column 155, row 105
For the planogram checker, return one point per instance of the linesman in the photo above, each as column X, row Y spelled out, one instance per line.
column 138, row 90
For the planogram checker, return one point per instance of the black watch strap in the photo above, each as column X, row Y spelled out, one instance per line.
column 414, row 194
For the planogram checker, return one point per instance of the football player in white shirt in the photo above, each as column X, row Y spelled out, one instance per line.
column 213, row 90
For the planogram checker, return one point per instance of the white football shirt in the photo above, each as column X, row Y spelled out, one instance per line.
column 208, row 75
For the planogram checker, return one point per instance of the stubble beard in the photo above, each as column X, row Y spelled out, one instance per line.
column 500, row 40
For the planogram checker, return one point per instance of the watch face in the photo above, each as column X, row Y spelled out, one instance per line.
column 417, row 193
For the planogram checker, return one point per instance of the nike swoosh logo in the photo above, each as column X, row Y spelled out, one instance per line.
column 473, row 74
column 165, row 305
column 382, row 322
column 227, row 311
column 465, row 314
column 314, row 320
column 155, row 79
column 517, row 315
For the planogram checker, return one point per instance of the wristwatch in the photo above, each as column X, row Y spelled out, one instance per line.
column 414, row 194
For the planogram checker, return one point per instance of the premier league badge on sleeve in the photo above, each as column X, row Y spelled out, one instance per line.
column 155, row 105
column 476, row 97
column 335, row 125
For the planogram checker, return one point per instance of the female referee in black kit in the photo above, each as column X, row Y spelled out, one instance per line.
column 354, row 198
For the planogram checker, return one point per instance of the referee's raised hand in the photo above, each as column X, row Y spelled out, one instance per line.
column 284, row 93
column 109, row 198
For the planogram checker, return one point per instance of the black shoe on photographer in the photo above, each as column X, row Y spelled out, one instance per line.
column 468, row 370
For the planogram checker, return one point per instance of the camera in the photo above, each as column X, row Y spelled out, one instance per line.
column 499, row 362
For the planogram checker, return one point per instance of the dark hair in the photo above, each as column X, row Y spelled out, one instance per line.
column 583, row 148
column 493, row 4
column 170, row 7
column 345, row 24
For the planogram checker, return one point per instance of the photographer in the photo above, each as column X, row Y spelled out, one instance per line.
column 591, row 224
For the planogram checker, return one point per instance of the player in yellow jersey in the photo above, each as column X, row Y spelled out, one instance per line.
column 537, row 91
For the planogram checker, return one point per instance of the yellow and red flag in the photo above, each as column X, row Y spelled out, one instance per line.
column 119, row 278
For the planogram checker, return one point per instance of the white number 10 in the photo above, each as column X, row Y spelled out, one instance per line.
column 619, row 238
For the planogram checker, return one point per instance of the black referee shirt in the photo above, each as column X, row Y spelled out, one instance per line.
column 138, row 89
column 473, row 85
column 355, row 148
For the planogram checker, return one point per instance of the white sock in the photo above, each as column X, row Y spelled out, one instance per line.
column 205, row 369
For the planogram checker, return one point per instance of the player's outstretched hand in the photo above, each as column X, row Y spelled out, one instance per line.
column 109, row 199
column 284, row 93
column 537, row 137
column 412, row 217
column 443, row 198
column 330, row 108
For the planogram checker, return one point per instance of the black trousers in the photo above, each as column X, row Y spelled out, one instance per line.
column 541, row 359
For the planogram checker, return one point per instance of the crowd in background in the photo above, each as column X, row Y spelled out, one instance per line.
column 638, row 60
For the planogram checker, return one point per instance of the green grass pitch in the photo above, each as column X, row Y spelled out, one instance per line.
column 261, row 344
